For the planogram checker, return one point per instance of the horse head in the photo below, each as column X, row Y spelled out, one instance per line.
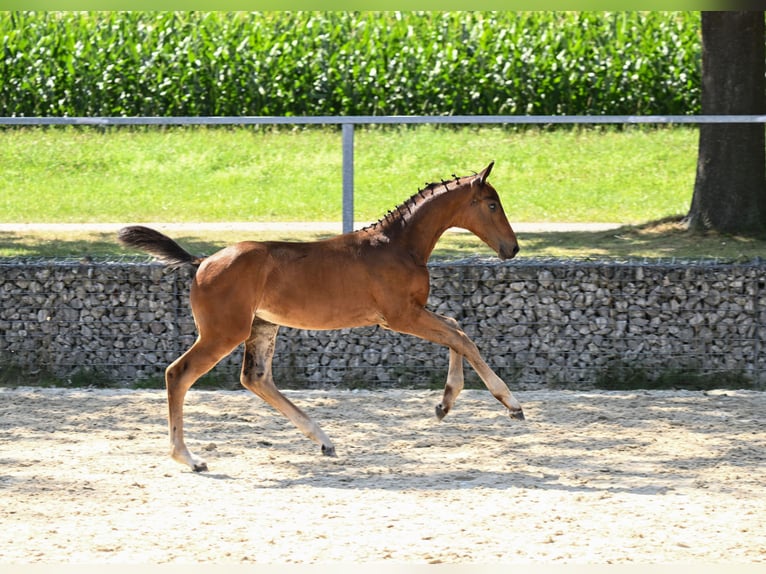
column 484, row 217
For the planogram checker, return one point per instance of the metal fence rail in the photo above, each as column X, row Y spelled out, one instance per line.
column 347, row 124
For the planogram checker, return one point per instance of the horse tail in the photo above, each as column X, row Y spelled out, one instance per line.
column 157, row 244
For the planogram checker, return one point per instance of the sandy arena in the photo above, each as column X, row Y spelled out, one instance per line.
column 590, row 477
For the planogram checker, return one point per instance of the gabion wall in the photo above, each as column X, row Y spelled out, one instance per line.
column 536, row 322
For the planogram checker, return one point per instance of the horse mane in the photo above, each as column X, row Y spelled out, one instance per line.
column 405, row 211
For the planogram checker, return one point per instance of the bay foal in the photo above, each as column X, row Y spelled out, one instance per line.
column 374, row 276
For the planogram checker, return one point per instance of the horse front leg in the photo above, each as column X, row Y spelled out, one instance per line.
column 455, row 383
column 432, row 327
column 256, row 377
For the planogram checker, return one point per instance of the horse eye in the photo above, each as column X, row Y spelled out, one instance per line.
column 492, row 206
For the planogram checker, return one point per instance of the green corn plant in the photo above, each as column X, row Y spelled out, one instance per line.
column 335, row 63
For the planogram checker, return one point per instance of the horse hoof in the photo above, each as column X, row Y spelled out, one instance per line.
column 199, row 467
column 440, row 412
column 518, row 415
column 328, row 450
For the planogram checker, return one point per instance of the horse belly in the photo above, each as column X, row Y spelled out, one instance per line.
column 310, row 324
column 317, row 309
column 316, row 320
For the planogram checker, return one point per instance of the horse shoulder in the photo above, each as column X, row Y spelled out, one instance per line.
column 396, row 276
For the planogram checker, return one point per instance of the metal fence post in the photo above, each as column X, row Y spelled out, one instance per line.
column 348, row 177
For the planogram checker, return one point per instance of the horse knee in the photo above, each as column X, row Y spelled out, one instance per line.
column 452, row 321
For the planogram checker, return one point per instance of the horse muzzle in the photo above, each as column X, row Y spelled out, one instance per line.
column 508, row 251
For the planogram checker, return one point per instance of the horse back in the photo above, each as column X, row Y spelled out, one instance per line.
column 337, row 283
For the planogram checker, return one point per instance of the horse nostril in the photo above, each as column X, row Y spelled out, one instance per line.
column 506, row 253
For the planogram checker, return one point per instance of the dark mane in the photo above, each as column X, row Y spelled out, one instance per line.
column 405, row 211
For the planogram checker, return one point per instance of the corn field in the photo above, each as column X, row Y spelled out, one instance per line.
column 348, row 63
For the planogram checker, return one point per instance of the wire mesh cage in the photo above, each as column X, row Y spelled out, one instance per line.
column 536, row 322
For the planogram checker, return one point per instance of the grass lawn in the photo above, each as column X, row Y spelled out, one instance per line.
column 245, row 174
column 633, row 177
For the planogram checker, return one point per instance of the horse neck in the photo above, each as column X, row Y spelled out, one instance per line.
column 418, row 230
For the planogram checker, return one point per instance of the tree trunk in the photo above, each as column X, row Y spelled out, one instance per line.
column 730, row 187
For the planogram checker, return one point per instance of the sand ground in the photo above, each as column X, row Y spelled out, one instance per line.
column 590, row 477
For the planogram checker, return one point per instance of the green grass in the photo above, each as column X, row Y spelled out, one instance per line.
column 74, row 175
column 201, row 174
column 639, row 177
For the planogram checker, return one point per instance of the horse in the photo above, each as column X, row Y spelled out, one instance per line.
column 373, row 276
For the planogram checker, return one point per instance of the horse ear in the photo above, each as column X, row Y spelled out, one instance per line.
column 485, row 173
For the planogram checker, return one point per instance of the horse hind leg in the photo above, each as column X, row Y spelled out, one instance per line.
column 179, row 377
column 256, row 377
